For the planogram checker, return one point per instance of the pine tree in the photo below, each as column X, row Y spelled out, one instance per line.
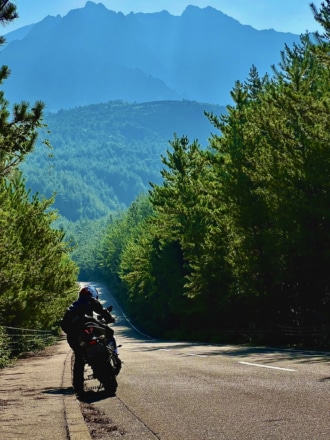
column 37, row 277
column 18, row 128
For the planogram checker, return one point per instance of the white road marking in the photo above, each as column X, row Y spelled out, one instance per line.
column 197, row 355
column 266, row 366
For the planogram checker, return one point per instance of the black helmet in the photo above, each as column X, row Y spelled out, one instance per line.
column 89, row 291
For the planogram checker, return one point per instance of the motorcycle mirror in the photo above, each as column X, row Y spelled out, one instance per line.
column 110, row 308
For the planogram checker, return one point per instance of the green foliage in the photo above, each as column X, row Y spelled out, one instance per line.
column 36, row 272
column 278, row 155
column 105, row 155
column 120, row 231
column 37, row 278
column 153, row 294
column 84, row 237
column 239, row 233
column 18, row 128
column 5, row 351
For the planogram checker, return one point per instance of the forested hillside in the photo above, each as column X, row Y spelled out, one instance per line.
column 237, row 235
column 104, row 155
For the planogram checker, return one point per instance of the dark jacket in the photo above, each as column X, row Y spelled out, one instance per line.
column 74, row 318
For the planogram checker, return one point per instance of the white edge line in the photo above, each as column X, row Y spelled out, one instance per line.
column 197, row 355
column 266, row 366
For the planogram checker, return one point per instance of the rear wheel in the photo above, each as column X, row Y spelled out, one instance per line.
column 105, row 374
column 109, row 382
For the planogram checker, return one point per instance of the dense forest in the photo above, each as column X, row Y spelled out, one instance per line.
column 37, row 276
column 238, row 233
column 104, row 155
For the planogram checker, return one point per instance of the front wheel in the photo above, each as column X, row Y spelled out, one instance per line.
column 115, row 362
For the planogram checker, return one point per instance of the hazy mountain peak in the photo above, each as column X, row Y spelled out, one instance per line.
column 94, row 6
column 18, row 34
column 95, row 55
column 208, row 13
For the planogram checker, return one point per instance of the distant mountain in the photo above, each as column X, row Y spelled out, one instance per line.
column 104, row 155
column 95, row 55
column 18, row 34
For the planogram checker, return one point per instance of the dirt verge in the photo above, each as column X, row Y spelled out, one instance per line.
column 99, row 424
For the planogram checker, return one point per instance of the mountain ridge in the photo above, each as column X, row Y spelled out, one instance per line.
column 94, row 55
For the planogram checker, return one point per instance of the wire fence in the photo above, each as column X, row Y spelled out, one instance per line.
column 23, row 340
column 15, row 341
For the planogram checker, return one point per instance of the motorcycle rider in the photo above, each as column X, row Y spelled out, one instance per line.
column 73, row 322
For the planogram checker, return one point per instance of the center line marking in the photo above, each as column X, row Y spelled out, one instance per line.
column 266, row 366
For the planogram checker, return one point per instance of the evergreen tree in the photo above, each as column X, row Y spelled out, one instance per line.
column 240, row 231
column 37, row 279
column 19, row 130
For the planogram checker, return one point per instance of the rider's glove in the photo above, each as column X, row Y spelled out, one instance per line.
column 110, row 319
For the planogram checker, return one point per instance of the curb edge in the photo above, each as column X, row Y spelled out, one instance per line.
column 76, row 426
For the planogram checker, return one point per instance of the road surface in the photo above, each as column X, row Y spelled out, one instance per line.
column 187, row 391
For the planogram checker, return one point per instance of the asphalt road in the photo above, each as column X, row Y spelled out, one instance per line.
column 185, row 391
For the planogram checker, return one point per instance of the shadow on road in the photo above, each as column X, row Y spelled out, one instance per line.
column 123, row 328
column 64, row 391
column 239, row 351
column 95, row 396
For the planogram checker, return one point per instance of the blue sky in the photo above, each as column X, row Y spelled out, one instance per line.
column 282, row 15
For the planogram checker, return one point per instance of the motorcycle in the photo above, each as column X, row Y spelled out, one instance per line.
column 99, row 355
